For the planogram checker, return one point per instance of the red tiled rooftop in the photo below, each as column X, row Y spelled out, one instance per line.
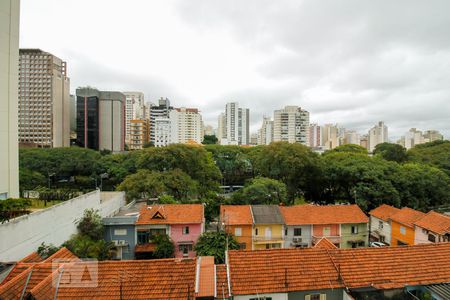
column 143, row 279
column 384, row 212
column 435, row 222
column 284, row 270
column 236, row 214
column 206, row 284
column 62, row 255
column 323, row 214
column 31, row 258
column 325, row 243
column 221, row 282
column 407, row 216
column 171, row 214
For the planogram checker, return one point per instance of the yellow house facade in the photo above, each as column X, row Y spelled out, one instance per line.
column 267, row 227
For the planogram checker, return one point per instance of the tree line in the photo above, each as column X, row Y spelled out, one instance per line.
column 276, row 173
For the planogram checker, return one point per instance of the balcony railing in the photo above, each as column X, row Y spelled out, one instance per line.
column 267, row 238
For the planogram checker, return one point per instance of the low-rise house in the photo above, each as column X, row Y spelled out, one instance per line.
column 121, row 231
column 183, row 223
column 346, row 226
column 402, row 226
column 432, row 228
column 268, row 227
column 380, row 226
column 238, row 221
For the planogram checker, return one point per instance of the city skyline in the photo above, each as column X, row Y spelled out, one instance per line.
column 344, row 67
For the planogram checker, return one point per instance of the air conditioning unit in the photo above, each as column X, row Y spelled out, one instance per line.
column 297, row 240
column 121, row 242
column 115, row 242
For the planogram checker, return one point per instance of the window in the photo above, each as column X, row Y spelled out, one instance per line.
column 402, row 230
column 380, row 224
column 242, row 246
column 186, row 230
column 256, row 231
column 285, row 232
column 120, row 232
column 238, row 231
column 297, row 231
column 143, row 237
column 261, row 298
column 316, row 297
column 432, row 238
column 185, row 248
column 354, row 229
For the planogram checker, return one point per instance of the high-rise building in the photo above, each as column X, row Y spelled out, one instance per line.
column 432, row 135
column 9, row 59
column 315, row 135
column 377, row 135
column 291, row 124
column 100, row 119
column 160, row 111
column 254, row 137
column 208, row 130
column 138, row 134
column 44, row 103
column 134, row 110
column 236, row 124
column 265, row 136
column 186, row 125
column 330, row 137
column 221, row 129
column 364, row 141
column 162, row 132
column 351, row 137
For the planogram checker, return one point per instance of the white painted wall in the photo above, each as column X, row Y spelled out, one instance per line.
column 20, row 236
column 278, row 296
column 375, row 228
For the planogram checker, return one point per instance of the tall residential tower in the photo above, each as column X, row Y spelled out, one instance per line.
column 291, row 124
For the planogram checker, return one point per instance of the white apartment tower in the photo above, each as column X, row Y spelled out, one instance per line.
column 377, row 135
column 265, row 136
column 162, row 132
column 9, row 59
column 236, row 123
column 160, row 111
column 134, row 110
column 291, row 124
column 186, row 125
column 44, row 103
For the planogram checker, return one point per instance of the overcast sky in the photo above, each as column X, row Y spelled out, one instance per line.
column 351, row 62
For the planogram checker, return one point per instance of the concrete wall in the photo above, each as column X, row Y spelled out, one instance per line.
column 55, row 224
column 9, row 60
column 306, row 235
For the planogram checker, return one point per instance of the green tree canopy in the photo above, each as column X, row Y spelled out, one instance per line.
column 392, row 152
column 46, row 250
column 352, row 148
column 293, row 164
column 91, row 224
column 436, row 153
column 214, row 244
column 209, row 140
column 193, row 160
column 261, row 190
column 164, row 246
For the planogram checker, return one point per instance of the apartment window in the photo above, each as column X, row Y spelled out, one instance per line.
column 143, row 237
column 242, row 246
column 354, row 229
column 380, row 224
column 238, row 231
column 256, row 231
column 432, row 238
column 297, row 231
column 402, row 230
column 186, row 230
column 185, row 248
column 285, row 232
column 120, row 232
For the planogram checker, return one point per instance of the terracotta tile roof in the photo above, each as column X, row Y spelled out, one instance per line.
column 284, row 270
column 267, row 214
column 281, row 270
column 407, row 216
column 31, row 258
column 145, row 248
column 205, row 282
column 171, row 214
column 435, row 222
column 325, row 243
column 143, row 279
column 384, row 212
column 221, row 282
column 236, row 214
column 16, row 270
column 323, row 214
column 394, row 267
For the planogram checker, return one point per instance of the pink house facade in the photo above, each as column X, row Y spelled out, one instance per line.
column 331, row 231
column 184, row 236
